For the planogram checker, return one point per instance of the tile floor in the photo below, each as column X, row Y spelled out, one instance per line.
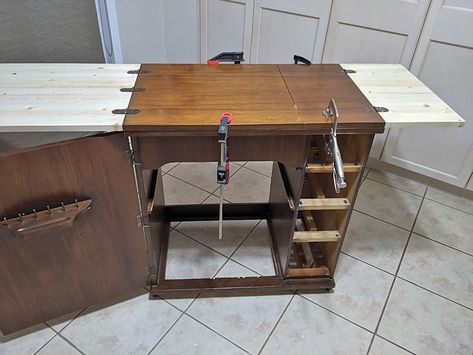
column 404, row 282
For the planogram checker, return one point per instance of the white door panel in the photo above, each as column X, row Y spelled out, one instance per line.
column 282, row 28
column 374, row 31
column 444, row 62
column 225, row 26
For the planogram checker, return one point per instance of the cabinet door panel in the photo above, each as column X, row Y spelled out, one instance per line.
column 443, row 62
column 374, row 31
column 225, row 26
column 101, row 255
column 282, row 28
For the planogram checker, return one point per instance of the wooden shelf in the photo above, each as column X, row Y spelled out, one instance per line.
column 317, row 204
column 316, row 236
column 327, row 168
column 308, row 272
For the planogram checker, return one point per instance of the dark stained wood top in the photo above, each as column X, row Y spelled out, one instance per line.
column 262, row 98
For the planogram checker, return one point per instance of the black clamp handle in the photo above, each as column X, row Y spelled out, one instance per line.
column 235, row 57
column 298, row 58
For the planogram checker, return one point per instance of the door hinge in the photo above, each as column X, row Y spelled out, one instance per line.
column 132, row 89
column 138, row 71
column 376, row 109
column 126, row 111
column 143, row 220
column 346, row 71
column 133, row 157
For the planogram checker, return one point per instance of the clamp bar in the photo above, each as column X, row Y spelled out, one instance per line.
column 223, row 167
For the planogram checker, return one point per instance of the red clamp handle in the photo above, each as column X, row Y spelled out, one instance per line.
column 212, row 61
column 228, row 115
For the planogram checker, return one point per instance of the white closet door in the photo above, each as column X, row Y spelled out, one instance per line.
column 282, row 28
column 444, row 62
column 225, row 26
column 374, row 31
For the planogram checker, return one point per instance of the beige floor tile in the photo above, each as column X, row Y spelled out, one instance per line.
column 177, row 192
column 247, row 186
column 375, row 242
column 397, row 181
column 60, row 323
column 167, row 167
column 360, row 292
column 133, row 326
column 206, row 232
column 263, row 167
column 387, row 203
column 190, row 337
column 306, row 328
column 446, row 225
column 246, row 321
column 383, row 347
column 188, row 259
column 255, row 252
column 203, row 174
column 455, row 201
column 425, row 323
column 25, row 342
column 58, row 346
column 440, row 269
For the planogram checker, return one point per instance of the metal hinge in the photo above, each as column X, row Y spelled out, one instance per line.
column 346, row 71
column 376, row 109
column 133, row 157
column 126, row 111
column 143, row 220
column 133, row 89
column 138, row 71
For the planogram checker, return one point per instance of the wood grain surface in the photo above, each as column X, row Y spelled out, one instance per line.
column 262, row 98
column 101, row 256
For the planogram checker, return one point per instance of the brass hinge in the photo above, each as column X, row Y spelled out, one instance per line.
column 126, row 111
column 133, row 89
column 376, row 109
column 138, row 71
column 133, row 157
column 346, row 71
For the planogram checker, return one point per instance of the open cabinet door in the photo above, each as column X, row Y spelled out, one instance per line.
column 57, row 260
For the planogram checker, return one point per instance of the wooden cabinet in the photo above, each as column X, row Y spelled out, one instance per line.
column 443, row 60
column 49, row 268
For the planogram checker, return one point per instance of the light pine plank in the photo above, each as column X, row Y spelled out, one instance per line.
column 409, row 101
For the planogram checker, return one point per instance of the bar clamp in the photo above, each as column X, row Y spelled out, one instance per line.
column 334, row 151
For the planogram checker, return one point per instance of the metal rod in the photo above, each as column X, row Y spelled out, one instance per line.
column 220, row 214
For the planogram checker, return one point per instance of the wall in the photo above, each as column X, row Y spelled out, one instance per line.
column 49, row 31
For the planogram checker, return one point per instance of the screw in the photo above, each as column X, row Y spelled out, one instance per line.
column 63, row 207
column 19, row 217
column 49, row 209
column 76, row 203
column 34, row 213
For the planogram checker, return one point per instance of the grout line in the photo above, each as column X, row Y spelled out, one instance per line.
column 382, row 220
column 167, row 171
column 253, row 170
column 216, row 251
column 441, row 243
column 435, row 293
column 214, row 331
column 70, row 343
column 367, row 263
column 396, row 187
column 200, row 188
column 333, row 312
column 277, row 323
column 390, row 341
column 42, row 346
column 395, row 275
column 444, row 204
column 166, row 333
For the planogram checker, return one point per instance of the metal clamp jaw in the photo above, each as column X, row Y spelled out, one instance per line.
column 223, row 167
column 337, row 170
